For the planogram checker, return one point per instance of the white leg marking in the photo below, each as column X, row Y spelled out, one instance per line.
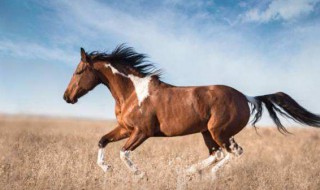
column 114, row 70
column 220, row 164
column 124, row 156
column 206, row 162
column 202, row 164
column 235, row 148
column 100, row 161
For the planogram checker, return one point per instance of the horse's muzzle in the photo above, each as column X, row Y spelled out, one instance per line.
column 68, row 100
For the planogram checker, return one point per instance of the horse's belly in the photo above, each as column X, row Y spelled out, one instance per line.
column 183, row 111
column 183, row 124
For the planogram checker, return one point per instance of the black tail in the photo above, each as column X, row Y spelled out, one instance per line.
column 286, row 106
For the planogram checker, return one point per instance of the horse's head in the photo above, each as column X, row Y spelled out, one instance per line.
column 84, row 79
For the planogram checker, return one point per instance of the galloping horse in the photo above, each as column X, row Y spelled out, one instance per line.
column 148, row 107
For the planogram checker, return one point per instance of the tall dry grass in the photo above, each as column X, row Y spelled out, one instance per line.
column 46, row 153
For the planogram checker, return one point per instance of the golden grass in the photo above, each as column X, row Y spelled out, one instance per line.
column 47, row 153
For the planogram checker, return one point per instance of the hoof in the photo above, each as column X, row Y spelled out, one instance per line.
column 101, row 144
column 140, row 175
column 105, row 167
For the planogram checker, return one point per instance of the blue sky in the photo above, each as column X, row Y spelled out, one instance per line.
column 257, row 47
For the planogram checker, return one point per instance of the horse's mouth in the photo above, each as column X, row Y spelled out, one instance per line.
column 69, row 100
column 73, row 101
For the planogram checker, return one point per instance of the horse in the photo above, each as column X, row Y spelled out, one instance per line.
column 145, row 107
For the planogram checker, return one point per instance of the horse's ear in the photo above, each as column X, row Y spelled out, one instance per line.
column 83, row 55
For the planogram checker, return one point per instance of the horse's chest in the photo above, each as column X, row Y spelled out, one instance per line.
column 135, row 116
column 129, row 117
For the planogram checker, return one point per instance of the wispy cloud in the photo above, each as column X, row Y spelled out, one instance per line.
column 30, row 50
column 172, row 39
column 285, row 10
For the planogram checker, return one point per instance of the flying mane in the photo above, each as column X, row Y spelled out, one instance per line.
column 127, row 60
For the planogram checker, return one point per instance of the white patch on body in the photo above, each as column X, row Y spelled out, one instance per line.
column 100, row 161
column 141, row 85
column 124, row 156
column 115, row 71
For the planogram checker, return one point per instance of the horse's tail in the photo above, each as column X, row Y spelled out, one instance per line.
column 286, row 106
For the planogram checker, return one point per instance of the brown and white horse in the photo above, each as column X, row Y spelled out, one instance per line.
column 147, row 107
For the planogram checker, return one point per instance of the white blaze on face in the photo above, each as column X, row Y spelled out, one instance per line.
column 141, row 85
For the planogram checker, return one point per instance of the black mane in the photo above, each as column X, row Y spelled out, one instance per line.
column 126, row 60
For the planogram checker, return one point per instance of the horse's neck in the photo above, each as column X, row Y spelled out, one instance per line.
column 123, row 86
column 120, row 86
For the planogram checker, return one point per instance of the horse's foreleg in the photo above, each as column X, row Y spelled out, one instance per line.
column 116, row 134
column 136, row 138
column 100, row 161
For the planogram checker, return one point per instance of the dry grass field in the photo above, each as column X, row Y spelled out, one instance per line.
column 48, row 153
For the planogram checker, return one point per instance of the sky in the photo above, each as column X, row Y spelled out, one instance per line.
column 257, row 47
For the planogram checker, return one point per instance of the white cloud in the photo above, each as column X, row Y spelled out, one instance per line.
column 30, row 50
column 280, row 10
column 175, row 41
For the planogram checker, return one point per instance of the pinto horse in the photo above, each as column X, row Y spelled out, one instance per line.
column 148, row 107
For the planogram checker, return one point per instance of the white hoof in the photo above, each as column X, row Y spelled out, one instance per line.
column 105, row 167
column 141, row 175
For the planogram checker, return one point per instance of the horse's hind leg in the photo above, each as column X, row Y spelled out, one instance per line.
column 210, row 143
column 226, row 140
column 228, row 143
column 213, row 148
column 233, row 148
